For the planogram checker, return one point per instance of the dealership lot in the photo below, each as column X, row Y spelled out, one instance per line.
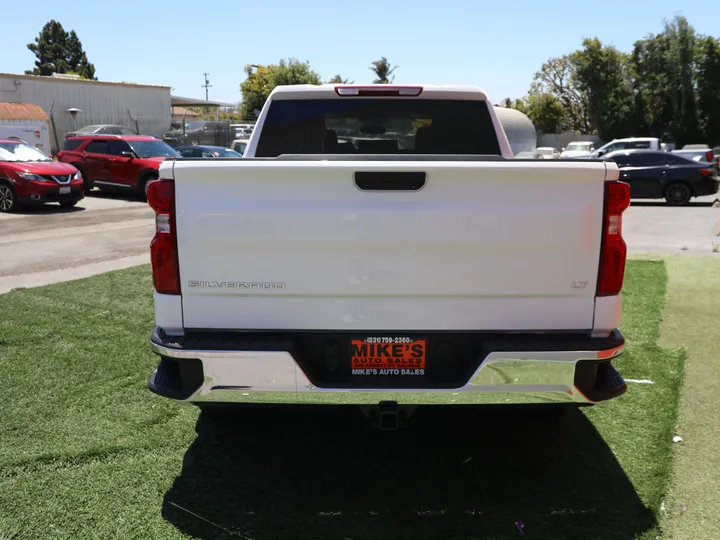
column 105, row 232
column 45, row 245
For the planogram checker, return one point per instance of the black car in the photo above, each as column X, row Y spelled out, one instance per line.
column 207, row 152
column 665, row 175
column 200, row 133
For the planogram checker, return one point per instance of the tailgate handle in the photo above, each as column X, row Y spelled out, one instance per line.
column 389, row 181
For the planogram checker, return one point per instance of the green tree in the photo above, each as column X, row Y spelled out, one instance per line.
column 59, row 52
column 383, row 71
column 76, row 58
column 337, row 79
column 260, row 83
column 602, row 75
column 681, row 55
column 50, row 50
column 651, row 86
column 544, row 110
column 708, row 87
column 556, row 77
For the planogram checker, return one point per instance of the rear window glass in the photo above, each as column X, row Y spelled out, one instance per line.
column 72, row 144
column 377, row 126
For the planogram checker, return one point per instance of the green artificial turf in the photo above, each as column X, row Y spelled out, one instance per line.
column 86, row 451
column 693, row 504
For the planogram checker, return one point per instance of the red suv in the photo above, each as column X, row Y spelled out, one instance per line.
column 27, row 176
column 116, row 162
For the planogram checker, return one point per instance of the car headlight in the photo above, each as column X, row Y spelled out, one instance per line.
column 31, row 176
column 77, row 176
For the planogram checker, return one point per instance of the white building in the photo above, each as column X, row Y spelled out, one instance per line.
column 72, row 103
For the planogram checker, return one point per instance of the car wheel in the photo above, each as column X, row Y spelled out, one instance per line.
column 8, row 199
column 143, row 183
column 87, row 183
column 678, row 194
column 68, row 204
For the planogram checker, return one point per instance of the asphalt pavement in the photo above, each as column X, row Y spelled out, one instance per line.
column 104, row 232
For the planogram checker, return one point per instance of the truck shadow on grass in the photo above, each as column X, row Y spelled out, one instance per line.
column 266, row 474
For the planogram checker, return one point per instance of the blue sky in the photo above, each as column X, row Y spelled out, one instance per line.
column 497, row 46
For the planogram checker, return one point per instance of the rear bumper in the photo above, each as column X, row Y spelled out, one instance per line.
column 256, row 370
column 708, row 186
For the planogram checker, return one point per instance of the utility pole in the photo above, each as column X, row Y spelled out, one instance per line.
column 206, row 85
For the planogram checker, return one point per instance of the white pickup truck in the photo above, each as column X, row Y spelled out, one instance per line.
column 379, row 245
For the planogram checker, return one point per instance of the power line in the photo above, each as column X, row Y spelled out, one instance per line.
column 206, row 85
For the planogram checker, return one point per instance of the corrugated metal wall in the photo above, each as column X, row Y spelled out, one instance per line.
column 100, row 103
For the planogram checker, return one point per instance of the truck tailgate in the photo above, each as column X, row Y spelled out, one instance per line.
column 297, row 245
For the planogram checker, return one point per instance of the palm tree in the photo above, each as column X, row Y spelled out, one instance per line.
column 337, row 79
column 383, row 71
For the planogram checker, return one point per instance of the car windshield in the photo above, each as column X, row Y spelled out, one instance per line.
column 21, row 152
column 146, row 149
column 574, row 147
column 194, row 125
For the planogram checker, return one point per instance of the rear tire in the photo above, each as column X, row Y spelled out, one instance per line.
column 142, row 185
column 8, row 199
column 678, row 194
column 87, row 183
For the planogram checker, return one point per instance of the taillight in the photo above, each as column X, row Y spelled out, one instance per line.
column 379, row 91
column 614, row 251
column 706, row 172
column 163, row 248
column 709, row 155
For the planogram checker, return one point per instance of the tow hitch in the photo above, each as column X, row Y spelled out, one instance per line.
column 388, row 415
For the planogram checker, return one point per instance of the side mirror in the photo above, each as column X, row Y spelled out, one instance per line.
column 128, row 154
column 563, row 149
column 601, row 153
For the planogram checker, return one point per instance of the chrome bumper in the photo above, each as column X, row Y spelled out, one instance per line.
column 273, row 377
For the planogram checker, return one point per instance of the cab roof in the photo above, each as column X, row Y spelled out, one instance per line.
column 332, row 91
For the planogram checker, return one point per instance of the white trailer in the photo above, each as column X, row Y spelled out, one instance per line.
column 27, row 122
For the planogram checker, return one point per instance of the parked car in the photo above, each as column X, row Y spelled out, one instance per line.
column 529, row 155
column 200, row 133
column 657, row 175
column 207, row 152
column 631, row 143
column 399, row 281
column 239, row 145
column 696, row 147
column 242, row 131
column 30, row 177
column 548, row 152
column 116, row 162
column 102, row 129
column 696, row 154
column 577, row 149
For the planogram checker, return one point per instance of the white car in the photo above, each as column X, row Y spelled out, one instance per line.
column 239, row 145
column 578, row 149
column 416, row 266
column 632, row 143
column 548, row 152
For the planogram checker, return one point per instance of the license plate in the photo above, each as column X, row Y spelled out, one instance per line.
column 64, row 191
column 396, row 356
